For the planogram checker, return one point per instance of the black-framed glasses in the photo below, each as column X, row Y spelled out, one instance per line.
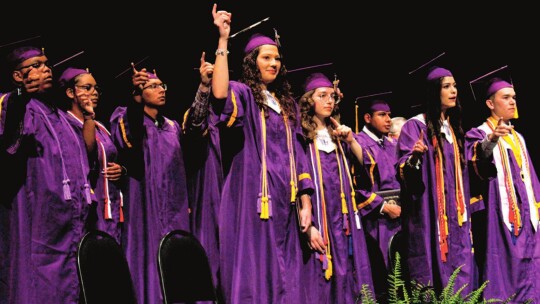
column 154, row 86
column 36, row 65
column 89, row 87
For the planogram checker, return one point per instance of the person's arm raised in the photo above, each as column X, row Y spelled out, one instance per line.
column 220, row 79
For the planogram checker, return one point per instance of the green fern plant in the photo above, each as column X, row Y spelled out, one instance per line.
column 398, row 292
column 366, row 297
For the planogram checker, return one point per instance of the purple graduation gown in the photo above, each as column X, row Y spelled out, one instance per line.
column 205, row 180
column 156, row 202
column 511, row 264
column 419, row 220
column 47, row 219
column 350, row 260
column 106, row 152
column 380, row 174
column 261, row 260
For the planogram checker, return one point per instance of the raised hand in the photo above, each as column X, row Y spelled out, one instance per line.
column 419, row 147
column 500, row 130
column 32, row 80
column 222, row 19
column 342, row 131
column 206, row 69
column 139, row 78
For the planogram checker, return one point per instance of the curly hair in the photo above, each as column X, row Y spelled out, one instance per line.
column 251, row 76
column 433, row 117
column 307, row 112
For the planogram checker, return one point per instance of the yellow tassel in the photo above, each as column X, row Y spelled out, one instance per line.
column 518, row 218
column 516, row 115
column 293, row 192
column 353, row 198
column 343, row 204
column 446, row 223
column 264, row 208
column 328, row 272
column 460, row 218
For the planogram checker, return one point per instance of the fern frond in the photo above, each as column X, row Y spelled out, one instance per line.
column 366, row 296
column 448, row 290
column 396, row 283
column 476, row 295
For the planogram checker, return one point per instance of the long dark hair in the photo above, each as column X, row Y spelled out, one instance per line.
column 251, row 76
column 433, row 117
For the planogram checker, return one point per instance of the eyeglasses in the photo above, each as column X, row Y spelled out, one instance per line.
column 89, row 87
column 155, row 86
column 36, row 65
column 327, row 97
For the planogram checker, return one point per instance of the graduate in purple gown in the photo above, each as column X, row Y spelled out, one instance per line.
column 204, row 172
column 156, row 199
column 259, row 234
column 506, row 195
column 48, row 199
column 380, row 217
column 341, row 251
column 435, row 189
column 82, row 94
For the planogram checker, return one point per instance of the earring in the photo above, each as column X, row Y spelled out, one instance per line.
column 19, row 91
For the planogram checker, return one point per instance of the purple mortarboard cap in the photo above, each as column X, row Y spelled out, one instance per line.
column 491, row 82
column 23, row 53
column 317, row 80
column 438, row 72
column 69, row 74
column 497, row 85
column 374, row 102
column 257, row 40
column 152, row 76
column 379, row 105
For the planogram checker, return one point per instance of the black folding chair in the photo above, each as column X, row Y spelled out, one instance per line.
column 184, row 271
column 396, row 244
column 103, row 270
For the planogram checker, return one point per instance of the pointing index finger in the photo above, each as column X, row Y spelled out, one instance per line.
column 202, row 58
column 334, row 122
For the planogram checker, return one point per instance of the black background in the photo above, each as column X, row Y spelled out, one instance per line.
column 372, row 46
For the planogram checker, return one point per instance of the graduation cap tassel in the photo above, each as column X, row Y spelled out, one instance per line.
column 324, row 261
column 87, row 194
column 107, row 210
column 121, row 208
column 269, row 206
column 329, row 269
column 259, row 203
column 293, row 191
column 345, row 213
column 264, row 208
column 67, row 192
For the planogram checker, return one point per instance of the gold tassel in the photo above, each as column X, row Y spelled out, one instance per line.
column 264, row 208
column 516, row 115
column 328, row 272
column 343, row 204
column 446, row 223
column 518, row 220
column 293, row 192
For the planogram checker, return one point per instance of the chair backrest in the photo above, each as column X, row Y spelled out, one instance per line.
column 396, row 244
column 103, row 270
column 184, row 270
